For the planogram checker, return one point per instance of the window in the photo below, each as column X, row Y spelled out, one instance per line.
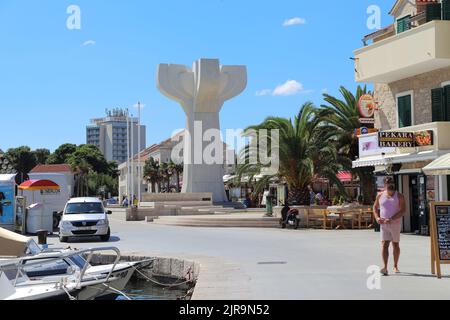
column 405, row 110
column 403, row 24
column 433, row 11
column 446, row 9
column 440, row 103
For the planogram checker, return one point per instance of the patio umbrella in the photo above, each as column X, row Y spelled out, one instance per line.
column 39, row 185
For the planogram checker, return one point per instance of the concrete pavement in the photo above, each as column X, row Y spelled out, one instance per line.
column 281, row 264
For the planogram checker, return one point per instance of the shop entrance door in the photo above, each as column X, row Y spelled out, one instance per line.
column 418, row 204
column 415, row 203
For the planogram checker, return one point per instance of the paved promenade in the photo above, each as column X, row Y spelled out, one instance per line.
column 281, row 264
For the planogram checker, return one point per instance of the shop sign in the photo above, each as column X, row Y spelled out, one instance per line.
column 396, row 139
column 366, row 107
column 365, row 130
column 440, row 236
column 424, row 138
column 369, row 146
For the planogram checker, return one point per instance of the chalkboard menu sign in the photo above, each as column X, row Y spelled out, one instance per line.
column 440, row 235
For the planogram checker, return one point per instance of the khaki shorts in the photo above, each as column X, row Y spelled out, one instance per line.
column 391, row 232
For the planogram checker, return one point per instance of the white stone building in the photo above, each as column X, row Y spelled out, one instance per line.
column 408, row 63
column 162, row 153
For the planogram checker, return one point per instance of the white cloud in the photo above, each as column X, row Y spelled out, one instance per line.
column 89, row 43
column 325, row 91
column 294, row 21
column 264, row 92
column 289, row 88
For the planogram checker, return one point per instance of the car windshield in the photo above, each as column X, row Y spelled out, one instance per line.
column 84, row 208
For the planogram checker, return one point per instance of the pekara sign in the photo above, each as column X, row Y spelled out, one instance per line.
column 396, row 139
column 406, row 139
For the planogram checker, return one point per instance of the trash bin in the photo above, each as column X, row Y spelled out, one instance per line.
column 38, row 218
column 42, row 237
column 269, row 205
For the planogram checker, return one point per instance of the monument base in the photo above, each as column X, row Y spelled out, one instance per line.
column 180, row 204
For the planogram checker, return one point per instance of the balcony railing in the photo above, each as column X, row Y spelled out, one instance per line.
column 418, row 50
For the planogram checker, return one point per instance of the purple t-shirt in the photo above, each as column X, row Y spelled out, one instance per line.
column 389, row 206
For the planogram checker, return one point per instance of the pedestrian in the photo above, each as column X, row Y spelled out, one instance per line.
column 312, row 196
column 389, row 209
column 135, row 202
column 125, row 202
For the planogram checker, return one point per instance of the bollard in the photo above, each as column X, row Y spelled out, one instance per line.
column 42, row 238
column 269, row 206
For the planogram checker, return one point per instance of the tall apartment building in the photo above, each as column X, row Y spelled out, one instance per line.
column 408, row 62
column 110, row 135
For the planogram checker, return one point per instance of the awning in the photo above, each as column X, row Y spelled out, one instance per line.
column 440, row 166
column 36, row 185
column 345, row 176
column 376, row 161
column 228, row 178
column 12, row 244
column 385, row 160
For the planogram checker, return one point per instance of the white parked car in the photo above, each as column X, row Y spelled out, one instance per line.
column 84, row 217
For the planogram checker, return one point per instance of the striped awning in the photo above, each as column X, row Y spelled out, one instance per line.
column 345, row 176
column 36, row 185
column 440, row 166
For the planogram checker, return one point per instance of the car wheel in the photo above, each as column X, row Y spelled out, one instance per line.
column 64, row 239
column 106, row 237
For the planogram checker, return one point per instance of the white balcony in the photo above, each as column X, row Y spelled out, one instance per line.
column 416, row 51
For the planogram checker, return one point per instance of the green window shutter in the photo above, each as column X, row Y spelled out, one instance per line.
column 400, row 26
column 446, row 9
column 437, row 104
column 446, row 103
column 434, row 11
column 404, row 111
column 403, row 24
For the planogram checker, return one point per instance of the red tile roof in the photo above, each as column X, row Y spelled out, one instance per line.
column 51, row 168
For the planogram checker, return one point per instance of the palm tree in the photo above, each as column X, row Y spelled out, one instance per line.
column 166, row 174
column 177, row 169
column 306, row 151
column 343, row 118
column 152, row 173
column 81, row 168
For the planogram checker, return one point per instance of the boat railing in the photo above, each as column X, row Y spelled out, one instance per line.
column 28, row 261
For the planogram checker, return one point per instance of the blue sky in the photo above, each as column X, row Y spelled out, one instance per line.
column 51, row 84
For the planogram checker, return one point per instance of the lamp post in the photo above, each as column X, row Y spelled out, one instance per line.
column 139, row 173
column 128, row 158
column 132, row 160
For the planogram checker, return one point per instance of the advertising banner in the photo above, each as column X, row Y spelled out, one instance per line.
column 6, row 203
column 369, row 146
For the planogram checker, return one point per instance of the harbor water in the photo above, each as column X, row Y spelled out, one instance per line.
column 138, row 289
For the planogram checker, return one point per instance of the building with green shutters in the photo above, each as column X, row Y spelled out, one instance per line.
column 408, row 63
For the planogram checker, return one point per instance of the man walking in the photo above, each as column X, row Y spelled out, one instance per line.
column 389, row 209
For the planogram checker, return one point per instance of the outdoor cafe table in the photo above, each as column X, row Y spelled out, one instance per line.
column 341, row 211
